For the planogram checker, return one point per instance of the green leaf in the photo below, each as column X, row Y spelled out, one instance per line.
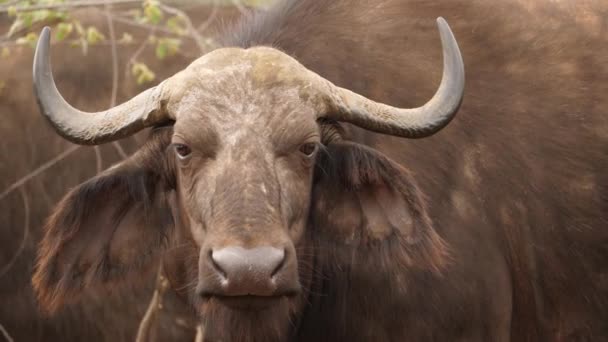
column 60, row 15
column 41, row 15
column 63, row 31
column 142, row 73
column 161, row 51
column 152, row 12
column 126, row 38
column 12, row 11
column 177, row 25
column 27, row 18
column 94, row 36
column 79, row 28
column 167, row 47
column 23, row 20
column 29, row 39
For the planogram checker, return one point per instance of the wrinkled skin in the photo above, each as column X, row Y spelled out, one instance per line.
column 493, row 230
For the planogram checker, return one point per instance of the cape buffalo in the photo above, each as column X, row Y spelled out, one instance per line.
column 288, row 206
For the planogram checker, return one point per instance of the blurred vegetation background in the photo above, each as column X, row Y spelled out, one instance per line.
column 168, row 22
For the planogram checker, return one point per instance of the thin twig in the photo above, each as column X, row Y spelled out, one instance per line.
column 115, row 75
column 240, row 7
column 10, row 3
column 70, row 4
column 26, row 232
column 112, row 35
column 98, row 159
column 143, row 332
column 131, row 22
column 5, row 333
column 200, row 42
column 139, row 50
column 67, row 42
column 199, row 333
column 205, row 24
column 156, row 304
column 38, row 170
column 142, row 47
column 120, row 150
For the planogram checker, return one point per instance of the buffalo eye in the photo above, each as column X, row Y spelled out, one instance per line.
column 183, row 151
column 308, row 149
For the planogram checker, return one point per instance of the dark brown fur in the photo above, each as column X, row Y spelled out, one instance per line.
column 501, row 218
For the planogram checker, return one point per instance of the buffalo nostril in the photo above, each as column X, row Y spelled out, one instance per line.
column 216, row 266
column 280, row 264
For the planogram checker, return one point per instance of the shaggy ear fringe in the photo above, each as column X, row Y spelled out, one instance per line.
column 113, row 195
column 135, row 186
column 350, row 170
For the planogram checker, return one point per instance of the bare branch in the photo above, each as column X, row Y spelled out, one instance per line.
column 38, row 170
column 66, row 43
column 139, row 50
column 131, row 22
column 112, row 35
column 115, row 75
column 10, row 3
column 120, row 150
column 70, row 4
column 6, row 334
column 143, row 332
column 200, row 42
column 98, row 159
column 156, row 304
column 199, row 333
column 26, row 232
column 205, row 24
column 240, row 7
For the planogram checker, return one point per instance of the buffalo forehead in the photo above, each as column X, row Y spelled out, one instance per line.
column 264, row 67
column 236, row 91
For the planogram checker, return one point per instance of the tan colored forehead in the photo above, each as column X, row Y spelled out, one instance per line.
column 237, row 76
column 232, row 90
column 259, row 56
column 263, row 67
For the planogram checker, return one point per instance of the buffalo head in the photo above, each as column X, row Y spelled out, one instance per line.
column 246, row 168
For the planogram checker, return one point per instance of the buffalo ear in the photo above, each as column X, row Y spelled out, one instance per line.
column 105, row 230
column 364, row 202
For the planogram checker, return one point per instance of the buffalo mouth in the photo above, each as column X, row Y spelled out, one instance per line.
column 250, row 302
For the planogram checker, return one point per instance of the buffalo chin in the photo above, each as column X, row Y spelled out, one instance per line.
column 246, row 319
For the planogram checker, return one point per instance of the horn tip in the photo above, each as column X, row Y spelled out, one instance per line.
column 443, row 24
column 45, row 37
column 45, row 33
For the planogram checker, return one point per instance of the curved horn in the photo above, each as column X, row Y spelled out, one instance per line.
column 84, row 128
column 410, row 123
